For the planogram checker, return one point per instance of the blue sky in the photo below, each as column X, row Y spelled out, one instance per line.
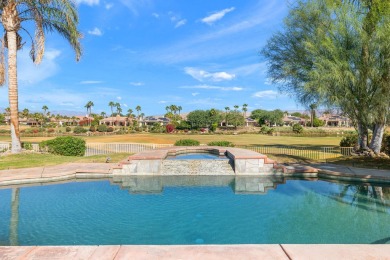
column 154, row 53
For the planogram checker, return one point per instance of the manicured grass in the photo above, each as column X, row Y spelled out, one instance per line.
column 28, row 160
column 243, row 139
column 363, row 162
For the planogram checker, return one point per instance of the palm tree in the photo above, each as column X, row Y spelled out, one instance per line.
column 245, row 109
column 45, row 108
column 48, row 16
column 179, row 108
column 167, row 108
column 138, row 108
column 118, row 108
column 313, row 108
column 89, row 106
column 25, row 112
column 226, row 122
column 111, row 104
column 103, row 114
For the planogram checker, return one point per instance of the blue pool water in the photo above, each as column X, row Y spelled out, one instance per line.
column 196, row 156
column 218, row 211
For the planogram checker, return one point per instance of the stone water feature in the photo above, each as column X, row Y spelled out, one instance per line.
column 238, row 162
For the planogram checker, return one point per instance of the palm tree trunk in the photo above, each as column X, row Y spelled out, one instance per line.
column 13, row 91
column 14, row 222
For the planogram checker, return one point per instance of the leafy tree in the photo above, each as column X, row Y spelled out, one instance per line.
column 266, row 117
column 336, row 53
column 245, row 109
column 47, row 16
column 236, row 117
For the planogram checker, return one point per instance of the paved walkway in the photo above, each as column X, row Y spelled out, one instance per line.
column 225, row 252
column 69, row 171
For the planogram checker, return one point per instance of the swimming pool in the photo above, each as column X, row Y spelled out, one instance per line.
column 194, row 210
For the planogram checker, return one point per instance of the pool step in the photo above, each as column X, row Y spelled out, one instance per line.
column 196, row 167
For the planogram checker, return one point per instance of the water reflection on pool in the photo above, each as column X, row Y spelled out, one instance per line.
column 195, row 209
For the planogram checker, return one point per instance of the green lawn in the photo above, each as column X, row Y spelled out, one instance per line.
column 242, row 139
column 27, row 160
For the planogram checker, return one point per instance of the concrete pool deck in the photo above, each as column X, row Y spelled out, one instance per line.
column 204, row 252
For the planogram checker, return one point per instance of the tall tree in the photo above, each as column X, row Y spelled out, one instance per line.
column 48, row 16
column 313, row 108
column 45, row 108
column 179, row 108
column 227, row 109
column 245, row 109
column 336, row 53
column 138, row 108
column 111, row 104
column 89, row 106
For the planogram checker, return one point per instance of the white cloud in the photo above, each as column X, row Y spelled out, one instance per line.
column 96, row 31
column 109, row 6
column 202, row 75
column 180, row 23
column 87, row 2
column 217, row 16
column 88, row 82
column 258, row 68
column 137, row 83
column 119, row 98
column 30, row 73
column 265, row 94
column 194, row 94
column 125, row 105
column 214, row 87
column 156, row 15
column 162, row 102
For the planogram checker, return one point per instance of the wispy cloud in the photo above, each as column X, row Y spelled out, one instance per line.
column 258, row 68
column 89, row 82
column 87, row 2
column 265, row 94
column 214, row 87
column 180, row 23
column 217, row 16
column 135, row 5
column 162, row 102
column 202, row 75
column 108, row 6
column 119, row 98
column 137, row 83
column 96, row 31
column 203, row 46
column 156, row 15
column 194, row 94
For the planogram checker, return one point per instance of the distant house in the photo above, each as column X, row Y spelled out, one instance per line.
column 289, row 120
column 116, row 121
column 336, row 120
column 250, row 122
column 151, row 120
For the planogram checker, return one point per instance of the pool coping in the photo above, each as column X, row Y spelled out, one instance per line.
column 71, row 171
column 204, row 252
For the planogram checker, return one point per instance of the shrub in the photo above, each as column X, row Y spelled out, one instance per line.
column 221, row 143
column 170, row 128
column 349, row 141
column 297, row 128
column 68, row 129
column 50, row 130
column 102, row 128
column 267, row 130
column 92, row 128
column 318, row 122
column 79, row 130
column 110, row 129
column 187, row 142
column 66, row 145
column 27, row 146
column 213, row 127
